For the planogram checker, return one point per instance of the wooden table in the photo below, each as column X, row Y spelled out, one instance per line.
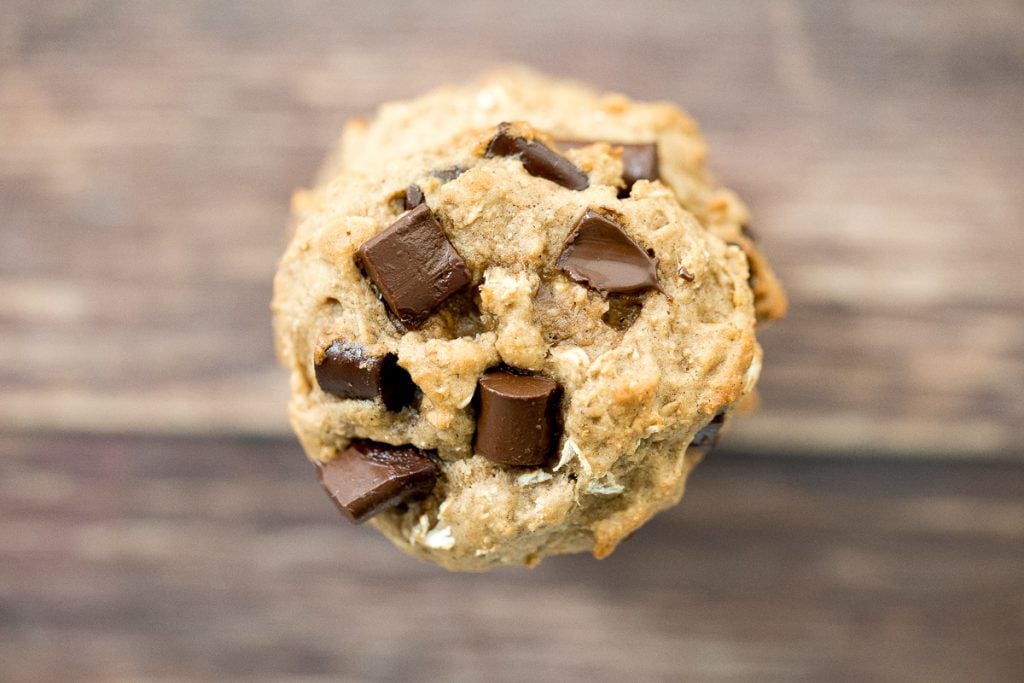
column 148, row 558
column 158, row 522
column 147, row 153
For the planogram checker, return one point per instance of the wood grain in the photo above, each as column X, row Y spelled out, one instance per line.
column 148, row 150
column 144, row 558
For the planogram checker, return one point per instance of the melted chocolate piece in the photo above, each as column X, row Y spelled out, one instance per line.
column 347, row 371
column 538, row 160
column 369, row 477
column 685, row 274
column 707, row 438
column 414, row 266
column 413, row 197
column 517, row 423
column 600, row 255
column 446, row 174
column 639, row 160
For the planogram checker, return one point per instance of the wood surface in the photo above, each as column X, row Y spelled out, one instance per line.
column 148, row 151
column 159, row 523
column 211, row 559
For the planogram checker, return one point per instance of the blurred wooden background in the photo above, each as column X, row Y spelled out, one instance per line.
column 148, row 150
column 177, row 559
column 158, row 522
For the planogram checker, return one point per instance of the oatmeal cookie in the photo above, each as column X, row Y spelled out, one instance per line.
column 515, row 316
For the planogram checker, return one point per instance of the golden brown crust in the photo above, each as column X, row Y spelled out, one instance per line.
column 633, row 398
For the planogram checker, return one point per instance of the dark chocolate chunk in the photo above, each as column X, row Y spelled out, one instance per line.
column 538, row 159
column 600, row 255
column 347, row 371
column 707, row 438
column 413, row 197
column 685, row 274
column 446, row 174
column 369, row 477
column 639, row 162
column 414, row 266
column 518, row 421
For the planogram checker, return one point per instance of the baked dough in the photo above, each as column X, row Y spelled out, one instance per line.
column 640, row 376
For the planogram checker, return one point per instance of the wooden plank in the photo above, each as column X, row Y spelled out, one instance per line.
column 142, row 558
column 147, row 152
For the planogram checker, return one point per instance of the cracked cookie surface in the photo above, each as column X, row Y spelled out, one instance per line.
column 640, row 375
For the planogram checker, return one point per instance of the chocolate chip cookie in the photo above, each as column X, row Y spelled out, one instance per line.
column 516, row 314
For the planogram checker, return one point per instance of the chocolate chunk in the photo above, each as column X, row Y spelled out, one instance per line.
column 413, row 197
column 369, row 477
column 414, row 266
column 685, row 274
column 601, row 256
column 347, row 371
column 639, row 162
column 518, row 422
column 538, row 159
column 446, row 174
column 707, row 438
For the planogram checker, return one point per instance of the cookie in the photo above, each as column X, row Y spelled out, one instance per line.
column 515, row 316
column 572, row 114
